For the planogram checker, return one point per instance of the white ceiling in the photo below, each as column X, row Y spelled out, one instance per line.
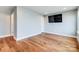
column 48, row 10
column 44, row 10
column 6, row 9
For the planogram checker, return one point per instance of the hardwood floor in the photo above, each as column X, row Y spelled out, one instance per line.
column 44, row 42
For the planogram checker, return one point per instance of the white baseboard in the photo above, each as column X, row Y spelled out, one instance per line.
column 46, row 32
column 27, row 36
column 2, row 36
column 63, row 34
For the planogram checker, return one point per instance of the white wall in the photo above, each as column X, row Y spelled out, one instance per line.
column 78, row 24
column 14, row 21
column 4, row 24
column 67, row 27
column 42, row 23
column 78, row 20
column 28, row 22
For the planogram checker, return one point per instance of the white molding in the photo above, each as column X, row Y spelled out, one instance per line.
column 27, row 36
column 2, row 36
column 63, row 34
column 45, row 32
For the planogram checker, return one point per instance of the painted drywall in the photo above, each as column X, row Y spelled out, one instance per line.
column 78, row 24
column 14, row 21
column 42, row 23
column 4, row 24
column 78, row 20
column 67, row 27
column 28, row 23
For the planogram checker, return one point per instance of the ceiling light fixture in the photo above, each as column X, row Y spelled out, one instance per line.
column 64, row 8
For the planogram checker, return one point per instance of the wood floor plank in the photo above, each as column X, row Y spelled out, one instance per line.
column 44, row 42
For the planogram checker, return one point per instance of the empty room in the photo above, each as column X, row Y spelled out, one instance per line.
column 39, row 28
